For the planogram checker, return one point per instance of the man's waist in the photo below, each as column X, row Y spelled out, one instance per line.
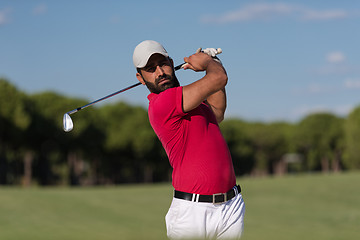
column 213, row 198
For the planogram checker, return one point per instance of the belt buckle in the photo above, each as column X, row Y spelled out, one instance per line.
column 219, row 194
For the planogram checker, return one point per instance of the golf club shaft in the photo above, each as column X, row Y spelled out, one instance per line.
column 103, row 98
column 113, row 94
column 125, row 89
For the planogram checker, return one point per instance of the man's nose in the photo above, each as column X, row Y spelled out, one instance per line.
column 159, row 70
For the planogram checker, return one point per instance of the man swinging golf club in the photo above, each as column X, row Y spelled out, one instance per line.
column 207, row 202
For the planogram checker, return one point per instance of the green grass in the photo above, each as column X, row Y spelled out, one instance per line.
column 292, row 207
column 303, row 207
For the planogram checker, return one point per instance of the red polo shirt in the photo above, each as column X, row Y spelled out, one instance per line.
column 196, row 149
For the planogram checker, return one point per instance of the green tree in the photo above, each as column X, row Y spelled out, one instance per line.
column 135, row 151
column 240, row 145
column 352, row 139
column 64, row 155
column 270, row 142
column 319, row 137
column 46, row 135
column 15, row 119
column 279, row 135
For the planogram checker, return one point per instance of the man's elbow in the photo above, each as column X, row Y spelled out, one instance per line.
column 221, row 81
column 219, row 119
column 220, row 114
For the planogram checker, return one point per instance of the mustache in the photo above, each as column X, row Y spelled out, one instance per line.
column 162, row 78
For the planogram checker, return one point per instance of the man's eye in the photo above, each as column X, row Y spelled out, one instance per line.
column 151, row 69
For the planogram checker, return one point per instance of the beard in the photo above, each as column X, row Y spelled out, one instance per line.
column 157, row 88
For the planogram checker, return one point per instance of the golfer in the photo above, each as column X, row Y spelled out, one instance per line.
column 207, row 202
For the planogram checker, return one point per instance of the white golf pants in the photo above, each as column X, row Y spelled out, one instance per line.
column 187, row 219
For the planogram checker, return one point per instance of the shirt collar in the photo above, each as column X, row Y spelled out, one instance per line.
column 151, row 96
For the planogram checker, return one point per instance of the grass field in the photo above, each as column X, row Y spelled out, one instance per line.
column 293, row 207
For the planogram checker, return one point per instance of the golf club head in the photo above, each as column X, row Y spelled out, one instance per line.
column 67, row 123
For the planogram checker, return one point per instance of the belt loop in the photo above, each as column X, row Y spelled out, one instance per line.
column 193, row 197
column 236, row 190
column 197, row 197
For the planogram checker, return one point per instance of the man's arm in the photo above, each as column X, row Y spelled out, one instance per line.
column 217, row 103
column 210, row 88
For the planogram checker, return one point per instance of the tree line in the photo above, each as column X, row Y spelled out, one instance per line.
column 114, row 143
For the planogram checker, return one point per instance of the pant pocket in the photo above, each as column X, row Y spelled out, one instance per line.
column 170, row 218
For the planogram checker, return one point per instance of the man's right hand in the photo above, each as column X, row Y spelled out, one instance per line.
column 198, row 61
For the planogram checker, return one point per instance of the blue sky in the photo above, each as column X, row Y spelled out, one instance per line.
column 285, row 59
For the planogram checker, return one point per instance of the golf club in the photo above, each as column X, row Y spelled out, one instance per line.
column 67, row 121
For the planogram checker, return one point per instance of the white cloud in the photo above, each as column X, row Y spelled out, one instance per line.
column 335, row 57
column 40, row 9
column 338, row 69
column 324, row 15
column 352, row 83
column 267, row 11
column 336, row 64
column 4, row 16
column 315, row 89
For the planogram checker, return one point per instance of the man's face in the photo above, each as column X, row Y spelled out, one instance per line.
column 158, row 75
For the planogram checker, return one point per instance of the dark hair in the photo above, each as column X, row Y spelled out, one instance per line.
column 139, row 71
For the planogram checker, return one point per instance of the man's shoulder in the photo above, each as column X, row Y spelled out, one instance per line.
column 168, row 93
column 166, row 104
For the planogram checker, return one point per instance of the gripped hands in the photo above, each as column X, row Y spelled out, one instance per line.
column 198, row 62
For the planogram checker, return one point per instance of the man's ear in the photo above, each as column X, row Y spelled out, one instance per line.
column 140, row 78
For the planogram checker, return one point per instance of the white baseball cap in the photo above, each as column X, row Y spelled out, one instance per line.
column 144, row 50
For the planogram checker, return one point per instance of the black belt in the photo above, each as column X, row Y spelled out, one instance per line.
column 215, row 198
